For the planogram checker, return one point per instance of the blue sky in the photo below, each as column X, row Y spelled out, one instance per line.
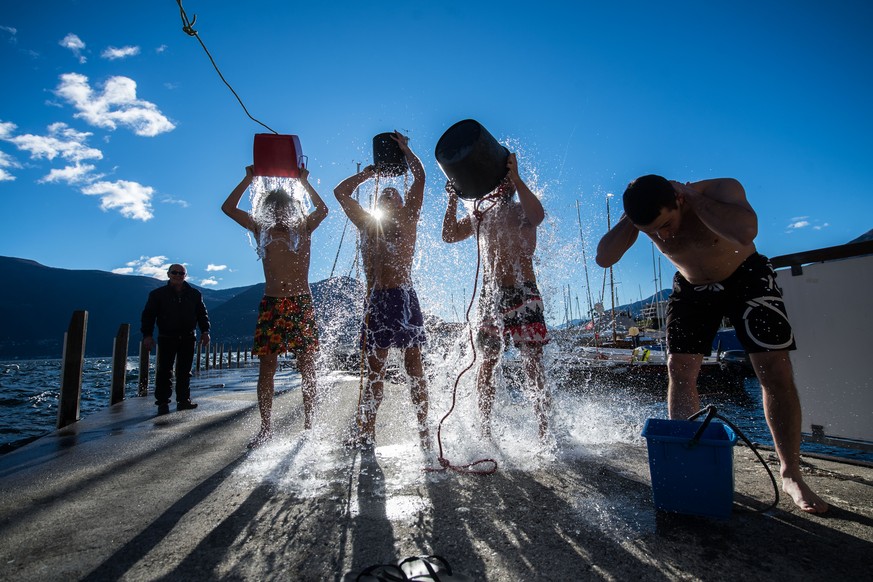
column 118, row 141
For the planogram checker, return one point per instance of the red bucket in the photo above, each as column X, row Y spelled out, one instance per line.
column 277, row 155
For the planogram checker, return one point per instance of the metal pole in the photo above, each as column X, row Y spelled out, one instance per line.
column 584, row 260
column 611, row 282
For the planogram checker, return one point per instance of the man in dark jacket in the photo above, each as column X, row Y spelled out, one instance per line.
column 178, row 309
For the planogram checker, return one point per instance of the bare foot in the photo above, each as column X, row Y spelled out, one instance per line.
column 262, row 437
column 803, row 496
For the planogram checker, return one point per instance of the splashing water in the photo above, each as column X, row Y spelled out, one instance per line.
column 278, row 204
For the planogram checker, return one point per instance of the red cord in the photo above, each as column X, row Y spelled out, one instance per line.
column 445, row 464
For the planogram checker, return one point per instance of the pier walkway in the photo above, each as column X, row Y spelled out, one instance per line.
column 126, row 495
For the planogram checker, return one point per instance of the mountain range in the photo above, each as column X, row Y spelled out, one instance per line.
column 37, row 303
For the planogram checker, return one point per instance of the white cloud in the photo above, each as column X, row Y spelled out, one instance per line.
column 156, row 267
column 75, row 174
column 75, row 44
column 6, row 129
column 116, row 105
column 170, row 200
column 61, row 141
column 114, row 53
column 7, row 161
column 161, row 48
column 210, row 281
column 799, row 222
column 131, row 199
column 211, row 267
column 12, row 33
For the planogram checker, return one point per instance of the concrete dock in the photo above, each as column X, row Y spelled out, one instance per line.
column 126, row 495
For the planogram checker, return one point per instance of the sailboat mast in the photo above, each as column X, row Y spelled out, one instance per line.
column 584, row 261
column 611, row 281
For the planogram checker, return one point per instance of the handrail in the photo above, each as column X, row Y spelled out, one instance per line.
column 825, row 254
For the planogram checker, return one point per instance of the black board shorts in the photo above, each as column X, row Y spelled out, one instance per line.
column 750, row 298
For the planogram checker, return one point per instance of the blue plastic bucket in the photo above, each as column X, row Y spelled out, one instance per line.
column 688, row 476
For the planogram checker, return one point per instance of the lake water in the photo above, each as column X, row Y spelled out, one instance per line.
column 29, row 392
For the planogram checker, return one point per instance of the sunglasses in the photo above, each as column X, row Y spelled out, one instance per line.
column 177, row 272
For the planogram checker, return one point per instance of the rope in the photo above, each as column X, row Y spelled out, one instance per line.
column 188, row 28
column 711, row 413
column 445, row 464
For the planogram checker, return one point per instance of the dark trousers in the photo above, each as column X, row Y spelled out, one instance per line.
column 178, row 351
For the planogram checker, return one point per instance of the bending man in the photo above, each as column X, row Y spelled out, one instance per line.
column 707, row 230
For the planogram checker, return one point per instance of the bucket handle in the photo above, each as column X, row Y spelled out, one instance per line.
column 711, row 413
column 302, row 161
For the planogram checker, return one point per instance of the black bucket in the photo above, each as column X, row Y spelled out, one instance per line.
column 471, row 159
column 388, row 158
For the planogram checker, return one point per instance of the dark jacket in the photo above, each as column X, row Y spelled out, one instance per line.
column 177, row 314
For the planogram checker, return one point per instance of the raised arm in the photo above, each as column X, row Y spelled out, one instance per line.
column 530, row 204
column 722, row 206
column 455, row 230
column 415, row 196
column 350, row 206
column 616, row 242
column 318, row 213
column 231, row 205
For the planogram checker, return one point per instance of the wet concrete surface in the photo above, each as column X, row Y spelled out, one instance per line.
column 126, row 495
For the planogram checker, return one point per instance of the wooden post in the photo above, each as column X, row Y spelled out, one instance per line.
column 214, row 348
column 197, row 368
column 71, row 369
column 237, row 355
column 119, row 363
column 143, row 385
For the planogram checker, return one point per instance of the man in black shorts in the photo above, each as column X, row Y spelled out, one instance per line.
column 707, row 230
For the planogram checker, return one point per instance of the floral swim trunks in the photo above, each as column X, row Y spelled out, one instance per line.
column 285, row 324
column 515, row 313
